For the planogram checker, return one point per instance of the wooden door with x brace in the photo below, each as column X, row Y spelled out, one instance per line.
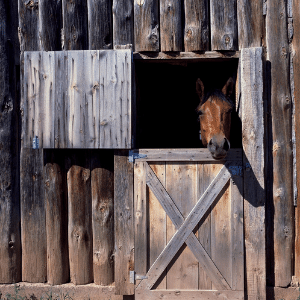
column 188, row 225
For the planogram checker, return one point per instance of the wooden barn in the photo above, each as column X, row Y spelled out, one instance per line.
column 106, row 191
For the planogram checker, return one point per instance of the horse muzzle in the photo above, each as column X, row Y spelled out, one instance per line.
column 218, row 147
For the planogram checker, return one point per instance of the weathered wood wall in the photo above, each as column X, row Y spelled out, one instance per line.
column 10, row 243
column 149, row 26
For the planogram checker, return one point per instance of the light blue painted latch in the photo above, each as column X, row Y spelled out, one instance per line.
column 134, row 155
column 35, row 142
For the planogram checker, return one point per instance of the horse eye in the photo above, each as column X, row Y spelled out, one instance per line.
column 200, row 112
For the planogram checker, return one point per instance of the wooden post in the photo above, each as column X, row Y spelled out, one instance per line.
column 197, row 33
column 100, row 24
column 171, row 25
column 75, row 25
column 280, row 99
column 35, row 34
column 123, row 22
column 10, row 243
column 250, row 23
column 223, row 17
column 80, row 217
column 124, row 227
column 251, row 79
column 56, row 219
column 146, row 25
column 296, row 63
column 102, row 176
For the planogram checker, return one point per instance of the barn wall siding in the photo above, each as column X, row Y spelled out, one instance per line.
column 150, row 26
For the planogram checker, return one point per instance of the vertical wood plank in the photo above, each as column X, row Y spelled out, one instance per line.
column 123, row 32
column 61, row 98
column 171, row 25
column 237, row 233
column 141, row 221
column 102, row 176
column 157, row 224
column 80, row 219
column 56, row 225
column 281, row 112
column 205, row 177
column 34, row 36
column 224, row 32
column 50, row 20
column 33, row 224
column 250, row 23
column 124, row 227
column 197, row 33
column 181, row 185
column 10, row 240
column 75, row 25
column 296, row 66
column 146, row 25
column 253, row 160
column 115, row 116
column 47, row 106
column 221, row 230
column 100, row 24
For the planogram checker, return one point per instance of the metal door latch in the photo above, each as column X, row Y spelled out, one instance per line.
column 133, row 277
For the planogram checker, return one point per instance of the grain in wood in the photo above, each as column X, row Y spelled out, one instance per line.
column 100, row 24
column 250, row 23
column 196, row 32
column 57, row 246
column 171, row 25
column 141, row 207
column 102, row 184
column 146, row 25
column 204, row 232
column 224, row 32
column 124, row 227
column 33, row 224
column 181, row 185
column 157, row 223
column 10, row 240
column 253, row 146
column 75, row 25
column 80, row 220
column 123, row 14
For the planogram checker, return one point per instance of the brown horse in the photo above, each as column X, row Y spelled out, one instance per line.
column 214, row 113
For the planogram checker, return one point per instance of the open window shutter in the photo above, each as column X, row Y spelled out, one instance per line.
column 77, row 99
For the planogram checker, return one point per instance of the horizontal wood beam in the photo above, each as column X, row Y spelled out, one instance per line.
column 184, row 155
column 187, row 55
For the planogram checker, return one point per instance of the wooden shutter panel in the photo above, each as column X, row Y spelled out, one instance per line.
column 78, row 99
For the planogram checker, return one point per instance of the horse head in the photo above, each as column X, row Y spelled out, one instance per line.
column 214, row 113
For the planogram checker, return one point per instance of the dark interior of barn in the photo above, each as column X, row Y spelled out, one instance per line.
column 167, row 99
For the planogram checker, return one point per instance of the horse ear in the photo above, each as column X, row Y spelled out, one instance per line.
column 200, row 89
column 228, row 87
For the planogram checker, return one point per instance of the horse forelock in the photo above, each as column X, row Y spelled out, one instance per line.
column 211, row 95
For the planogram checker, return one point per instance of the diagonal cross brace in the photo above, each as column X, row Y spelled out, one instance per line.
column 185, row 229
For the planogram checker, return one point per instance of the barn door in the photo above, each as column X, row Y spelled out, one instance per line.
column 188, row 225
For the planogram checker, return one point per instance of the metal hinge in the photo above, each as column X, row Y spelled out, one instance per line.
column 134, row 155
column 35, row 143
column 133, row 277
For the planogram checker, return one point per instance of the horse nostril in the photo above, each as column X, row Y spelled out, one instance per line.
column 226, row 145
column 210, row 142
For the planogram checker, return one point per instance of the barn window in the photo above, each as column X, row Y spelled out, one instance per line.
column 167, row 99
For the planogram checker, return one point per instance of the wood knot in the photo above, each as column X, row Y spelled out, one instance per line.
column 30, row 4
